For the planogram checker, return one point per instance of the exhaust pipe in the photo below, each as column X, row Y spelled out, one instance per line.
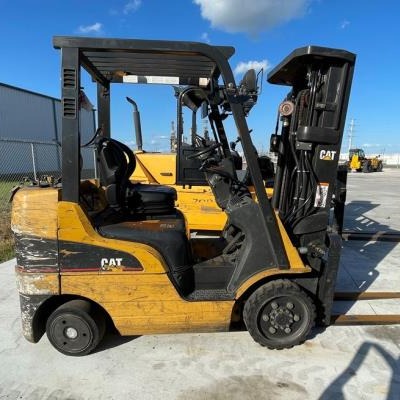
column 136, row 121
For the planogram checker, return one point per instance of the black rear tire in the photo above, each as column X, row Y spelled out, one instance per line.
column 75, row 328
column 366, row 167
column 279, row 314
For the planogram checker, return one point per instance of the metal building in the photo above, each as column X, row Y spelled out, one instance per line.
column 30, row 128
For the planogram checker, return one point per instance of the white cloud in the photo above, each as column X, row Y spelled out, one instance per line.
column 251, row 16
column 242, row 67
column 132, row 6
column 372, row 145
column 344, row 24
column 95, row 28
column 205, row 37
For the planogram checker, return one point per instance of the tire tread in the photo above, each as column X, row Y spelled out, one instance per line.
column 276, row 287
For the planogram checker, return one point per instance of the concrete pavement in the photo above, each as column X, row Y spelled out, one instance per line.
column 336, row 363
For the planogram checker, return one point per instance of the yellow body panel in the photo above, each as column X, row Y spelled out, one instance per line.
column 34, row 212
column 355, row 162
column 37, row 283
column 74, row 226
column 143, row 303
column 155, row 168
column 200, row 209
column 269, row 273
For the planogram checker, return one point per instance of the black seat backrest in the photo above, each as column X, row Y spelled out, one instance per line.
column 117, row 163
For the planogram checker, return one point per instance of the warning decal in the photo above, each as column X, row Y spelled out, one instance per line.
column 163, row 80
column 321, row 195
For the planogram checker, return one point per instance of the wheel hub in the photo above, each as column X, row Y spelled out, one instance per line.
column 280, row 317
column 71, row 333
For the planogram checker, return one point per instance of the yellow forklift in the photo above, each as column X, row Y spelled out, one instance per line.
column 359, row 162
column 94, row 254
column 194, row 196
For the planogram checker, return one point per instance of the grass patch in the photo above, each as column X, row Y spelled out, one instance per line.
column 6, row 239
column 5, row 190
column 6, row 250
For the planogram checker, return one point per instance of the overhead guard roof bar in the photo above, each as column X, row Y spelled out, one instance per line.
column 111, row 59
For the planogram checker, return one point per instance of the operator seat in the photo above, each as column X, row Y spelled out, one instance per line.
column 117, row 163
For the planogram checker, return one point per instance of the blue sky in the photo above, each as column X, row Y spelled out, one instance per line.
column 264, row 31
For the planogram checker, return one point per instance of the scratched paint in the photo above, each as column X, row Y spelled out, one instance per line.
column 30, row 283
column 29, row 306
column 82, row 256
column 33, row 252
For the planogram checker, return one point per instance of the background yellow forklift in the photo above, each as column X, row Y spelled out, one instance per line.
column 112, row 251
column 359, row 162
column 194, row 196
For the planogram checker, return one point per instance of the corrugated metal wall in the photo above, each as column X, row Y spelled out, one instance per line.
column 31, row 123
column 24, row 115
column 28, row 115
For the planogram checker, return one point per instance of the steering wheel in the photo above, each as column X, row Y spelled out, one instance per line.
column 199, row 141
column 204, row 151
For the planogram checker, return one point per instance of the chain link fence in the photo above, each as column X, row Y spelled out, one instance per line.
column 29, row 161
column 23, row 160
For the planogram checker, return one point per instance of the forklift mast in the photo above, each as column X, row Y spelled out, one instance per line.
column 312, row 118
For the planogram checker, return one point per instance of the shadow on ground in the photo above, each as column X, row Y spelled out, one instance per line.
column 112, row 340
column 336, row 389
column 355, row 218
column 360, row 259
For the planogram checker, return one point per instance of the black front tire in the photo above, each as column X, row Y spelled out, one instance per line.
column 279, row 314
column 75, row 328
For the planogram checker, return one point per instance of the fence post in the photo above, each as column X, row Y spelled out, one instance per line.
column 33, row 161
column 56, row 135
column 95, row 162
